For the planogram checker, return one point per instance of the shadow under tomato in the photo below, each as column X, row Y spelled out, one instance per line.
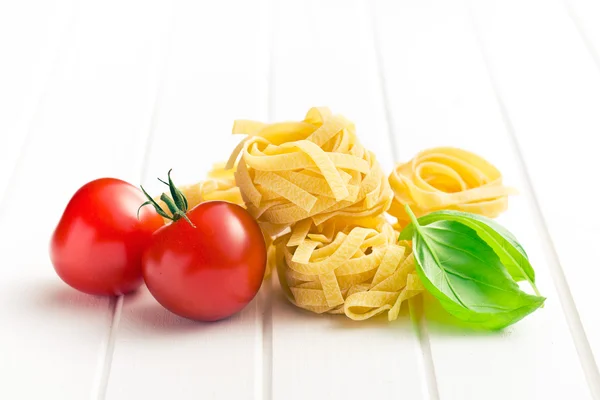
column 140, row 311
column 144, row 314
column 154, row 319
column 56, row 297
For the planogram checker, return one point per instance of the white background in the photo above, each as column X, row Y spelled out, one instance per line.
column 131, row 88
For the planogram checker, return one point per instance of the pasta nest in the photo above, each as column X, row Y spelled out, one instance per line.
column 219, row 185
column 450, row 179
column 342, row 268
column 313, row 169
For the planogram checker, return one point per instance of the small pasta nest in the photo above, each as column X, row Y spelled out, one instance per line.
column 341, row 268
column 219, row 185
column 314, row 169
column 449, row 179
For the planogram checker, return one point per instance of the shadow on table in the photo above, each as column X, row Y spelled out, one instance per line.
column 437, row 321
column 154, row 319
column 440, row 323
column 139, row 308
column 285, row 311
column 143, row 313
column 53, row 296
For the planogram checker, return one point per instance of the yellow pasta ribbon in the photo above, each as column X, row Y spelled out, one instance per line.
column 447, row 178
column 313, row 169
column 352, row 270
column 219, row 185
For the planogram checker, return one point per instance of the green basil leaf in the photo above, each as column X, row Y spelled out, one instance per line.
column 464, row 273
column 504, row 243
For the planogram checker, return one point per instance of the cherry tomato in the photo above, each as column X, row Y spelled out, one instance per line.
column 208, row 271
column 99, row 241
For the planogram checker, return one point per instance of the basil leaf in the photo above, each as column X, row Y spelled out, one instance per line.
column 464, row 273
column 504, row 243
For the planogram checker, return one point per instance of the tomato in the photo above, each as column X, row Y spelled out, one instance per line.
column 98, row 243
column 208, row 271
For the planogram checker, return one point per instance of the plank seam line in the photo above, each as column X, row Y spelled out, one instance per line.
column 109, row 350
column 419, row 323
column 567, row 302
column 264, row 386
column 66, row 40
column 420, row 327
column 582, row 33
column 372, row 24
column 264, row 382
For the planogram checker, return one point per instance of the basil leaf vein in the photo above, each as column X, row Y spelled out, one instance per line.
column 505, row 245
column 465, row 274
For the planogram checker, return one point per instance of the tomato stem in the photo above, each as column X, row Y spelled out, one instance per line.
column 177, row 203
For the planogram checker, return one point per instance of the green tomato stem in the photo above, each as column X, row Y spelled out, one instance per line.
column 177, row 204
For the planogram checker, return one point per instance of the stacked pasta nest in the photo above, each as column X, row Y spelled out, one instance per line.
column 320, row 198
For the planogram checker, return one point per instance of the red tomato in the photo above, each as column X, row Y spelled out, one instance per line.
column 98, row 244
column 210, row 271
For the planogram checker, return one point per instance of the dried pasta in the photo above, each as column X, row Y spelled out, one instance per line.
column 346, row 269
column 219, row 185
column 315, row 168
column 312, row 183
column 447, row 178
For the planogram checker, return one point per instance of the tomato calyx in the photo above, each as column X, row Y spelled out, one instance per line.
column 177, row 203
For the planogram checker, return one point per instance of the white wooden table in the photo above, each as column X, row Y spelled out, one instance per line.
column 112, row 88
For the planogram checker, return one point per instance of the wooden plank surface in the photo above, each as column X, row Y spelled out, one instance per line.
column 33, row 37
column 552, row 97
column 132, row 89
column 585, row 15
column 207, row 84
column 440, row 94
column 324, row 56
column 87, row 126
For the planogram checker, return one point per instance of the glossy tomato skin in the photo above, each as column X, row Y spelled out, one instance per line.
column 98, row 243
column 209, row 272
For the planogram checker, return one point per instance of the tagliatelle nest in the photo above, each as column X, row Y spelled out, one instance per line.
column 347, row 269
column 447, row 178
column 316, row 180
column 316, row 169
